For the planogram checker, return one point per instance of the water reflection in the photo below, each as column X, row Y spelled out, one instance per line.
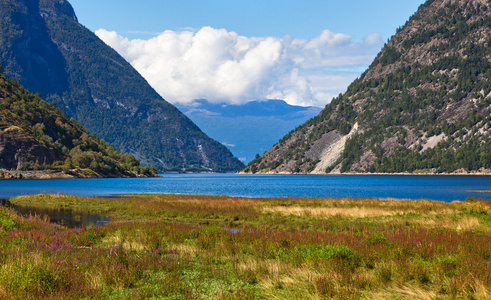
column 61, row 216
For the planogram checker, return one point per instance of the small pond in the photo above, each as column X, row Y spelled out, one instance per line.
column 61, row 216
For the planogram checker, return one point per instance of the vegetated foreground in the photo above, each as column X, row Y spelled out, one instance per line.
column 218, row 247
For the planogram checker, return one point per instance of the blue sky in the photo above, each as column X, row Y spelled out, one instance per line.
column 299, row 18
column 303, row 52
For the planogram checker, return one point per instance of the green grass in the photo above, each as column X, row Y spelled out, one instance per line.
column 182, row 247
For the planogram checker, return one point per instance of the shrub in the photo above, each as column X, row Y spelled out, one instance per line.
column 308, row 252
column 6, row 221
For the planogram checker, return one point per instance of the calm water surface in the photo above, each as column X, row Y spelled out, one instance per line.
column 61, row 216
column 443, row 188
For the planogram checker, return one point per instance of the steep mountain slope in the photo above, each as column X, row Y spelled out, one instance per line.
column 35, row 135
column 250, row 128
column 44, row 47
column 423, row 105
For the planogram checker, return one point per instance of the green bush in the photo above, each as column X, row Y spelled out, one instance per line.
column 309, row 252
column 6, row 221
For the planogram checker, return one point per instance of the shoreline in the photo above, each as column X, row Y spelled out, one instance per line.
column 371, row 174
column 54, row 174
column 488, row 173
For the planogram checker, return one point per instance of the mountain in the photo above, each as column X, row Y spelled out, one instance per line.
column 423, row 105
column 247, row 129
column 36, row 135
column 43, row 46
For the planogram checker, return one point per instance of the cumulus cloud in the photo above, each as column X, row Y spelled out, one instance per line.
column 222, row 66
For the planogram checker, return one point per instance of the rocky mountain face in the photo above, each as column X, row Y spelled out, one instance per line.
column 250, row 128
column 43, row 46
column 423, row 106
column 36, row 135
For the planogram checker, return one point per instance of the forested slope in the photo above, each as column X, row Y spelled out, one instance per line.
column 44, row 47
column 36, row 135
column 423, row 106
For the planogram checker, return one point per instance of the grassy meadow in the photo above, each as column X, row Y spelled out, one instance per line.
column 218, row 247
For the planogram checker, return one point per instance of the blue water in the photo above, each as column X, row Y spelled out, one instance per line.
column 442, row 188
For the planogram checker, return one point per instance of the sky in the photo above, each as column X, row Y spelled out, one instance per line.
column 234, row 51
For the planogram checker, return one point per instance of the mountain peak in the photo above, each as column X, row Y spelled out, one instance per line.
column 48, row 51
column 423, row 106
column 64, row 7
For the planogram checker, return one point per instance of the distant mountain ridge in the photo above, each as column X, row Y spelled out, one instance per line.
column 44, row 47
column 250, row 128
column 423, row 106
column 267, row 108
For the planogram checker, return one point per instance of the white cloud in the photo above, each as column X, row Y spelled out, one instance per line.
column 222, row 66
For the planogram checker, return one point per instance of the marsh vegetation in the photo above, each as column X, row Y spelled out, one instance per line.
column 218, row 247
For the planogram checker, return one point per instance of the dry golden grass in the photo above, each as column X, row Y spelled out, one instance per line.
column 475, row 205
column 3, row 294
column 481, row 292
column 296, row 281
column 414, row 292
column 185, row 249
column 292, row 282
column 360, row 208
column 326, row 212
column 204, row 201
column 429, row 214
column 275, row 267
column 95, row 280
column 117, row 239
column 468, row 223
column 248, row 265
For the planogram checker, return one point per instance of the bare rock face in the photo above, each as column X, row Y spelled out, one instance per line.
column 423, row 106
column 18, row 150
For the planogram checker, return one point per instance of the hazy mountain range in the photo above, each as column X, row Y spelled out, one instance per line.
column 247, row 129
